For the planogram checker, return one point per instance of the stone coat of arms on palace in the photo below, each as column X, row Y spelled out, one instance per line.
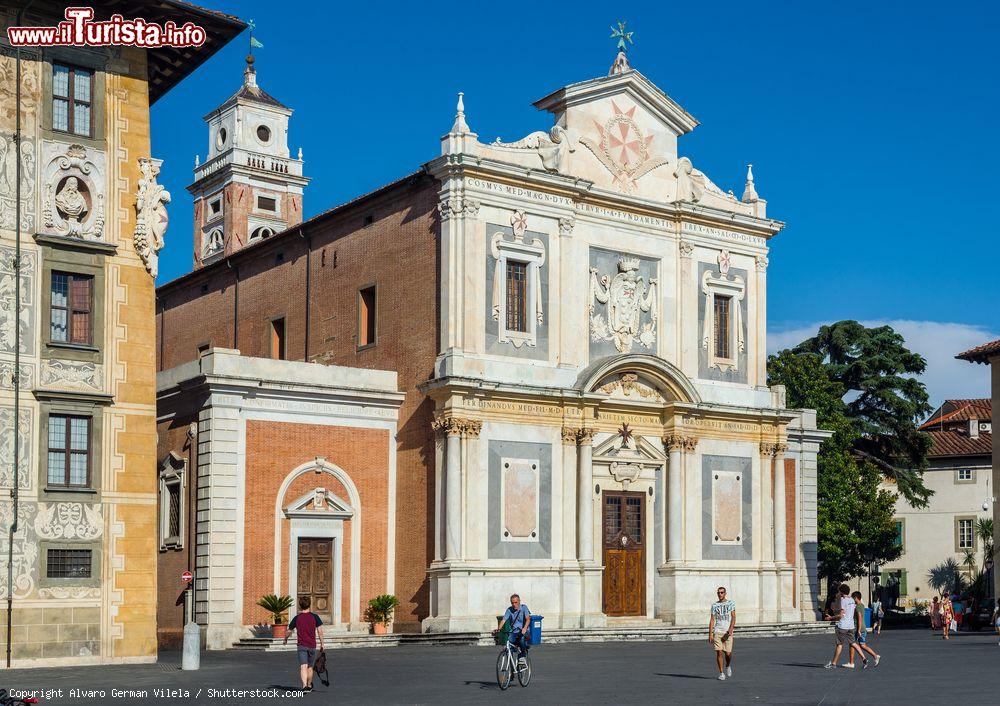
column 626, row 297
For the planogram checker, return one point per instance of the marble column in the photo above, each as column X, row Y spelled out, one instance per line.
column 767, row 503
column 453, row 489
column 570, row 493
column 779, row 504
column 672, row 444
column 585, row 497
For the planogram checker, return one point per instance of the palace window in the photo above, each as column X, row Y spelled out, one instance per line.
column 172, row 506
column 722, row 335
column 72, row 89
column 68, row 451
column 70, row 309
column 517, row 296
column 900, row 540
column 69, row 563
column 517, row 288
column 367, row 316
column 723, row 306
column 965, row 537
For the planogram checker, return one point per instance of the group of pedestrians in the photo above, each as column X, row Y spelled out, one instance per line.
column 847, row 612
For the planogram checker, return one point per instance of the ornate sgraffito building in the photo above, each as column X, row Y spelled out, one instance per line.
column 578, row 320
column 92, row 219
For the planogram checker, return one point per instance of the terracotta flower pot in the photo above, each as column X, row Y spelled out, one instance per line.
column 380, row 629
column 279, row 630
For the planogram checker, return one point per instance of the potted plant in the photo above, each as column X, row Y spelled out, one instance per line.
column 277, row 606
column 379, row 612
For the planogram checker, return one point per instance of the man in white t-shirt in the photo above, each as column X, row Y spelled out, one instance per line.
column 720, row 632
column 844, row 628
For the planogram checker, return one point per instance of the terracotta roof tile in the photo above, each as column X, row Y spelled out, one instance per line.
column 955, row 443
column 981, row 354
column 960, row 411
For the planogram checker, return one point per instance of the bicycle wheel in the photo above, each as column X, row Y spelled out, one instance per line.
column 505, row 670
column 524, row 673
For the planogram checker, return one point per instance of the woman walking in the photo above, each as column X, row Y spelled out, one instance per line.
column 947, row 616
column 935, row 614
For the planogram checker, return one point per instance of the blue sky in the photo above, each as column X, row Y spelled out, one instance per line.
column 870, row 127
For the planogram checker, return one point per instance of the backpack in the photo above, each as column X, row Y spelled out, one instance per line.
column 319, row 668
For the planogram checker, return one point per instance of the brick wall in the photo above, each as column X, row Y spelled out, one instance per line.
column 397, row 252
column 273, row 449
column 172, row 435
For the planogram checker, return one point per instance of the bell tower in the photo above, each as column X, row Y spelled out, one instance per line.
column 249, row 187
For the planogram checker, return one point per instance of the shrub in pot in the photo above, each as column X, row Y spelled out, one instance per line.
column 379, row 612
column 277, row 606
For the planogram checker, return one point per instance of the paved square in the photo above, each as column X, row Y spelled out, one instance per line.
column 917, row 668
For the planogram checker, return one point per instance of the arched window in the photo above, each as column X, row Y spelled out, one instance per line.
column 261, row 233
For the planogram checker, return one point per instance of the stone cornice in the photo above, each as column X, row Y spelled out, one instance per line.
column 584, row 191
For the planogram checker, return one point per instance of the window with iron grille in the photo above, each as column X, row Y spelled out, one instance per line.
column 70, row 308
column 174, row 510
column 69, row 451
column 72, row 89
column 517, row 296
column 633, row 518
column 612, row 517
column 723, row 306
column 69, row 564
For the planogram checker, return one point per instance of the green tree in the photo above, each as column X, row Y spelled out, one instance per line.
column 855, row 515
column 886, row 400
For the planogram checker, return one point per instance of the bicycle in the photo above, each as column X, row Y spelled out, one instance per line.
column 507, row 663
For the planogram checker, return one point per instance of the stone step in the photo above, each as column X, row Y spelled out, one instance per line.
column 643, row 631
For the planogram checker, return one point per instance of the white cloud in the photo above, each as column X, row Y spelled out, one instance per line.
column 937, row 341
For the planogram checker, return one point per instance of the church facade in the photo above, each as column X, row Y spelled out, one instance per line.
column 578, row 323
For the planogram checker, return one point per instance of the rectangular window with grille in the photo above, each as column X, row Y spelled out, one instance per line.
column 69, row 451
column 723, row 307
column 517, row 296
column 69, row 564
column 633, row 518
column 174, row 510
column 70, row 308
column 72, row 89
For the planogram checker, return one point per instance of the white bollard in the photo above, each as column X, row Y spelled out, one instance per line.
column 191, row 656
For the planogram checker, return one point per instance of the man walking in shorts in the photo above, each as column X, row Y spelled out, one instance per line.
column 720, row 632
column 306, row 626
column 845, row 628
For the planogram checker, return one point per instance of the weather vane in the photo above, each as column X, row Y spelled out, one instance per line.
column 624, row 38
column 251, row 25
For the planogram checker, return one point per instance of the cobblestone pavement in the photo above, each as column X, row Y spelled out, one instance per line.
column 917, row 668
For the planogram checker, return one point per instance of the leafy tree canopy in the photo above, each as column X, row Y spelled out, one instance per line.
column 855, row 515
column 885, row 400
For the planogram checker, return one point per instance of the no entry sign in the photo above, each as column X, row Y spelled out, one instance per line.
column 186, row 576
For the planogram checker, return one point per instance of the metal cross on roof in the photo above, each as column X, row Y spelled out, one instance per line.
column 624, row 38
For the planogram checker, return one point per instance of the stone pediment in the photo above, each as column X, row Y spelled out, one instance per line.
column 320, row 503
column 628, row 461
column 618, row 132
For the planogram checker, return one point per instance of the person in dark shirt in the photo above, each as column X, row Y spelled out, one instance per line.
column 307, row 626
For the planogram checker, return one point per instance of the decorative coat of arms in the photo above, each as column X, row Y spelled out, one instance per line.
column 626, row 298
column 73, row 198
column 623, row 149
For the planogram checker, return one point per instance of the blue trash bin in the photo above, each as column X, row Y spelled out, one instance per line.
column 535, row 631
column 868, row 617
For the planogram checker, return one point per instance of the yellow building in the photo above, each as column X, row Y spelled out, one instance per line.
column 90, row 218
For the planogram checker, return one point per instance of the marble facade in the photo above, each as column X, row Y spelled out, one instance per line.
column 617, row 392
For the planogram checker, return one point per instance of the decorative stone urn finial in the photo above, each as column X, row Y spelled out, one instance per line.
column 460, row 127
column 750, row 193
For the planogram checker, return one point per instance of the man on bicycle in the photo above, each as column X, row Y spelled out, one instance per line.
column 518, row 616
